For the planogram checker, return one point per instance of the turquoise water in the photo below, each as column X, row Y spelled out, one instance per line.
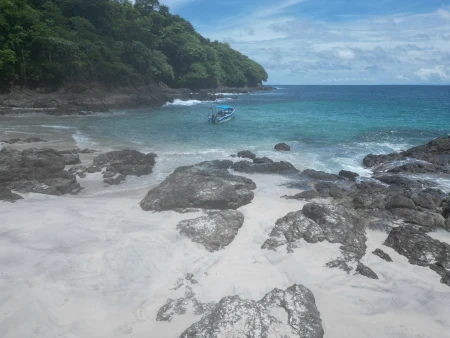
column 329, row 127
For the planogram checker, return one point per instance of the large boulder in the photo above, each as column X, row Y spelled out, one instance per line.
column 246, row 154
column 290, row 313
column 126, row 162
column 214, row 231
column 320, row 175
column 8, row 196
column 264, row 165
column 36, row 170
column 321, row 222
column 348, row 174
column 282, row 147
column 200, row 186
column 421, row 249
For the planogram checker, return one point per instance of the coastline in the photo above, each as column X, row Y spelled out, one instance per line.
column 81, row 100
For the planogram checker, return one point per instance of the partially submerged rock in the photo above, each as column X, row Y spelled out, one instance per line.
column 280, row 314
column 383, row 255
column 8, row 196
column 364, row 270
column 200, row 186
column 246, row 154
column 320, row 175
column 28, row 140
column 348, row 174
column 115, row 181
column 282, row 147
column 264, row 165
column 36, row 170
column 215, row 230
column 421, row 249
column 126, row 162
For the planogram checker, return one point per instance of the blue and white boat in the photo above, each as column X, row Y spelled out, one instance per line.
column 221, row 114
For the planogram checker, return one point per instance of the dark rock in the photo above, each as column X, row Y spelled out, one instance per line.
column 348, row 174
column 214, row 231
column 399, row 201
column 115, row 181
column 246, row 154
column 328, row 189
column 399, row 180
column 200, row 187
column 383, row 255
column 320, row 175
column 420, row 168
column 339, row 263
column 216, row 164
column 429, row 220
column 306, row 195
column 71, row 159
column 28, row 140
column 78, row 170
column 282, row 147
column 264, row 166
column 363, row 270
column 126, row 162
column 78, row 151
column 93, row 169
column 372, row 160
column 319, row 222
column 35, row 170
column 8, row 196
column 238, row 318
column 426, row 201
column 421, row 249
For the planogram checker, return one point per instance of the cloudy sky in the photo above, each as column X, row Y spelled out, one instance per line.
column 332, row 41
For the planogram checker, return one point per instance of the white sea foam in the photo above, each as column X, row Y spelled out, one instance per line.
column 82, row 141
column 178, row 102
column 55, row 126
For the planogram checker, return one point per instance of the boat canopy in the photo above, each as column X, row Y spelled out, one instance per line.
column 224, row 107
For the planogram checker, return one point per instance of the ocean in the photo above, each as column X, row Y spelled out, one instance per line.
column 328, row 127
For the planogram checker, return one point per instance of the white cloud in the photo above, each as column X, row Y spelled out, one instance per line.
column 436, row 73
column 401, row 77
column 444, row 13
column 175, row 3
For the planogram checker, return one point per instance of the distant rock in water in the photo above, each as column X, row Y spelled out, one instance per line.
column 282, row 147
column 290, row 313
column 126, row 162
column 206, row 186
column 421, row 249
column 214, row 231
column 246, row 154
column 36, row 170
column 28, row 140
column 264, row 165
column 348, row 174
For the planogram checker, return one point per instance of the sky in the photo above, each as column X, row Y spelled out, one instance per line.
column 332, row 41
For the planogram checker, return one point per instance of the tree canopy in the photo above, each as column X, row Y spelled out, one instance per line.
column 53, row 42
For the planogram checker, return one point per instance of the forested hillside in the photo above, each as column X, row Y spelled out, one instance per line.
column 55, row 42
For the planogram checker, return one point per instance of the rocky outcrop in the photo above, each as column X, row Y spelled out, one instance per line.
column 8, row 196
column 246, row 154
column 264, row 165
column 364, row 270
column 321, row 222
column 383, row 255
column 200, row 186
column 215, row 230
column 36, row 170
column 20, row 141
column 348, row 174
column 320, row 175
column 421, row 249
column 282, row 147
column 70, row 158
column 115, row 180
column 280, row 314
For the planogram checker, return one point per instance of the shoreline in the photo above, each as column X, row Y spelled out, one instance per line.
column 94, row 99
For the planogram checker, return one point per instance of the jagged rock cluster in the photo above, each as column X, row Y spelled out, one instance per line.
column 280, row 313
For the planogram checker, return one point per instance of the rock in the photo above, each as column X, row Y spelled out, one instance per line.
column 320, row 175
column 28, row 140
column 264, row 166
column 126, row 162
column 71, row 159
column 421, row 249
column 348, row 174
column 306, row 195
column 216, row 164
column 36, row 170
column 93, row 169
column 363, row 270
column 115, row 181
column 399, row 201
column 339, row 263
column 383, row 255
column 282, row 147
column 200, row 187
column 246, row 154
column 8, row 196
column 319, row 222
column 280, row 314
column 78, row 170
column 328, row 189
column 214, row 231
column 399, row 180
column 420, row 168
column 427, row 201
column 427, row 219
column 78, row 151
column 372, row 160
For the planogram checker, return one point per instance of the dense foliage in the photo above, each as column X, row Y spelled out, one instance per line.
column 52, row 42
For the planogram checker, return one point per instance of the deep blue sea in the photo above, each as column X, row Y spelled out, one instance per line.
column 328, row 127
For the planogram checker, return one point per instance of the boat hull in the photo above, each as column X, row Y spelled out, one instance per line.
column 223, row 119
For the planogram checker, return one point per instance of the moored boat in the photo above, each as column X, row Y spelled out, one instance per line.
column 221, row 114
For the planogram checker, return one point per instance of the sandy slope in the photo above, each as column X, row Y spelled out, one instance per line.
column 98, row 266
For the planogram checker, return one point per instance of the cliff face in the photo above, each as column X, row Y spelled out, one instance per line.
column 58, row 42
